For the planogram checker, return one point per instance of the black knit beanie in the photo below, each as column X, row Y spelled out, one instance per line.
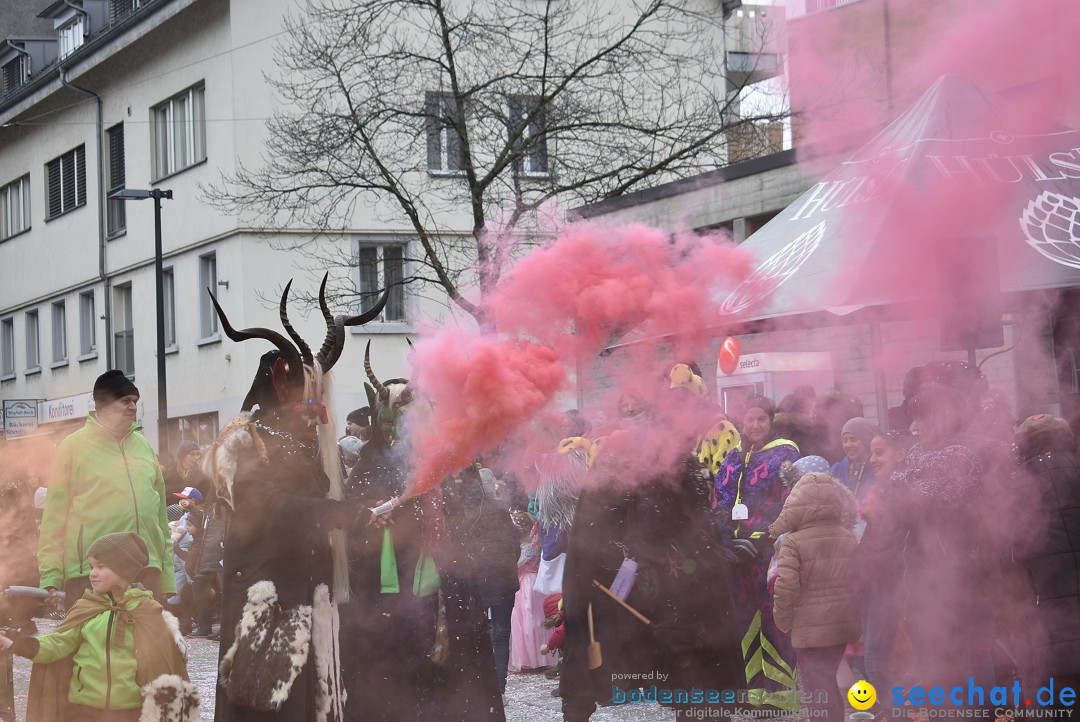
column 112, row 385
column 124, row 552
column 360, row 417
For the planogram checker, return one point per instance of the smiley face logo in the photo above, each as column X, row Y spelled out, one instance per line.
column 862, row 695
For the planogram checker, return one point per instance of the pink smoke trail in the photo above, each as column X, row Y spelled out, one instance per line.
column 553, row 314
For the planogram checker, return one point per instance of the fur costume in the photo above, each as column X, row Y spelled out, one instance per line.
column 170, row 698
column 278, row 560
column 269, row 651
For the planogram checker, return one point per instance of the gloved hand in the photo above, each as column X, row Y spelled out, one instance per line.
column 745, row 550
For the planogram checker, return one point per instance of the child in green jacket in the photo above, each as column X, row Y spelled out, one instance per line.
column 120, row 650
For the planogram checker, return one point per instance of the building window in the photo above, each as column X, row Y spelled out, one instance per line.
column 66, row 178
column 87, row 325
column 381, row 266
column 445, row 150
column 59, row 332
column 168, row 285
column 7, row 347
column 14, row 74
column 72, row 36
column 180, row 132
column 208, row 322
column 15, row 207
column 200, row 428
column 527, row 118
column 33, row 355
column 123, row 331
column 117, row 218
column 120, row 9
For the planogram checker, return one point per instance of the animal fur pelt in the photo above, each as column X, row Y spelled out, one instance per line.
column 169, row 698
column 220, row 464
column 270, row 650
column 325, row 631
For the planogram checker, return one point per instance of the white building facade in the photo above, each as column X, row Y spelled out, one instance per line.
column 151, row 94
column 107, row 95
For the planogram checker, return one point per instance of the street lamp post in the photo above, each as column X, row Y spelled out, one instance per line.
column 134, row 194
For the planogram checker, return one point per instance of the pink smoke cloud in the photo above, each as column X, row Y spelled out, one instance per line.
column 855, row 68
column 552, row 316
column 479, row 388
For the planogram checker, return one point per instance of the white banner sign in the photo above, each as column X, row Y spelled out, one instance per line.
column 65, row 409
column 20, row 417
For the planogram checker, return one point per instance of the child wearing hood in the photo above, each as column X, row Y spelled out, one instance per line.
column 813, row 600
column 855, row 471
column 117, row 656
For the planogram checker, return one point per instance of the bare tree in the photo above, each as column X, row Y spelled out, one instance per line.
column 455, row 121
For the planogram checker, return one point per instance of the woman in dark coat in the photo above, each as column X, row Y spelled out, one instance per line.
column 937, row 507
column 1051, row 555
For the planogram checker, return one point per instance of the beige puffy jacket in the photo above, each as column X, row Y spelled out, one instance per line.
column 813, row 598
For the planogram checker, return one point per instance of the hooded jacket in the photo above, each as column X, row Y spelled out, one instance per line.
column 812, row 598
column 102, row 485
column 114, row 648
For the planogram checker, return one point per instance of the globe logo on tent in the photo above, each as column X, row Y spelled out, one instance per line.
column 778, row 268
column 1051, row 223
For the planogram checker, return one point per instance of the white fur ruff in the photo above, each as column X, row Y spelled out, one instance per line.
column 170, row 698
column 174, row 627
column 325, row 633
column 269, row 652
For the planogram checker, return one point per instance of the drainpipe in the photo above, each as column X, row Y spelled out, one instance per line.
column 102, row 275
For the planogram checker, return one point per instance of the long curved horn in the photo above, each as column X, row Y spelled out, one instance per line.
column 372, row 313
column 335, row 336
column 371, row 374
column 339, row 342
column 283, row 311
column 288, row 351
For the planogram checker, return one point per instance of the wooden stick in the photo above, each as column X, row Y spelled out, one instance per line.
column 641, row 617
column 592, row 650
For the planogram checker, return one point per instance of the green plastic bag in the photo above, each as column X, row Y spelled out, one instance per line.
column 388, row 576
column 426, row 579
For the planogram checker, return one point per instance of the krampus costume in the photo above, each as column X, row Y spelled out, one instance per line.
column 659, row 532
column 414, row 646
column 279, row 624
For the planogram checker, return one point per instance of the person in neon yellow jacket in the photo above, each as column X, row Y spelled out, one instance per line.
column 749, row 496
column 106, row 478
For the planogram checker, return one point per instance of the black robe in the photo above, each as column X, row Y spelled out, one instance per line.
column 387, row 638
column 278, row 532
column 682, row 586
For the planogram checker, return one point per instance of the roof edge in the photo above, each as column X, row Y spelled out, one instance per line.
column 727, row 173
